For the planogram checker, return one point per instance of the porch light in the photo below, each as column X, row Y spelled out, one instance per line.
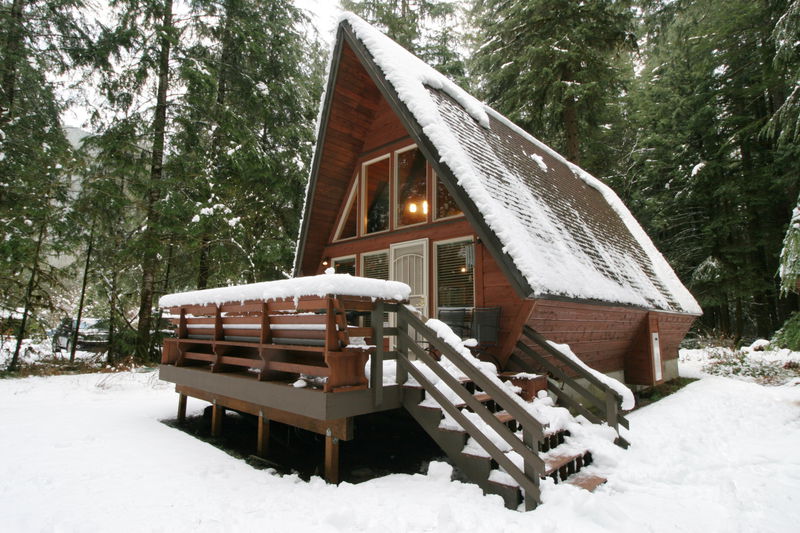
column 325, row 262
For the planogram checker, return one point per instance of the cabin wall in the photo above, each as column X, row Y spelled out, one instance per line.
column 613, row 340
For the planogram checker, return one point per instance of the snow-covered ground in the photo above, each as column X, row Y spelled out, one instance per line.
column 89, row 453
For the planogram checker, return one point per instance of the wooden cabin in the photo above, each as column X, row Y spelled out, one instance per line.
column 424, row 203
column 413, row 180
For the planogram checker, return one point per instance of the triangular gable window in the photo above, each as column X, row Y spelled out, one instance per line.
column 348, row 224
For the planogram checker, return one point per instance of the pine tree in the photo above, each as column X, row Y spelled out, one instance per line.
column 426, row 28
column 557, row 68
column 244, row 138
column 704, row 179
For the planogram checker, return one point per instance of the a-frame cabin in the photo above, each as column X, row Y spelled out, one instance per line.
column 414, row 180
column 423, row 202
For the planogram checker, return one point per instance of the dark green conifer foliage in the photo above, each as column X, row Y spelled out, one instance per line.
column 557, row 68
column 711, row 187
column 243, row 139
column 425, row 28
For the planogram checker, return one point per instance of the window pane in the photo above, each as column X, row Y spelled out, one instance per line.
column 345, row 266
column 349, row 226
column 376, row 266
column 412, row 201
column 445, row 204
column 376, row 178
column 455, row 263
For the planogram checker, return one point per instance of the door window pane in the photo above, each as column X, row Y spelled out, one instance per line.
column 376, row 183
column 455, row 262
column 412, row 197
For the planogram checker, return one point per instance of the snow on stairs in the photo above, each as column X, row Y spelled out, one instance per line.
column 496, row 438
column 477, row 465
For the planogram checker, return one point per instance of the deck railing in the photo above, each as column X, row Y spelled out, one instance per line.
column 596, row 408
column 281, row 337
column 531, row 431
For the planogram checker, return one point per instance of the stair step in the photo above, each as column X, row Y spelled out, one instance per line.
column 586, row 481
column 557, row 461
column 504, row 417
column 416, row 386
column 481, row 397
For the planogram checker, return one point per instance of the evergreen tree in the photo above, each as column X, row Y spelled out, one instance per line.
column 423, row 27
column 708, row 185
column 244, row 138
column 558, row 69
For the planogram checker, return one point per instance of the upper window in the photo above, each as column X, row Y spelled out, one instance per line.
column 446, row 205
column 376, row 195
column 348, row 224
column 412, row 193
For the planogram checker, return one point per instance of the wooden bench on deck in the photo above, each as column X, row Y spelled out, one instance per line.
column 278, row 339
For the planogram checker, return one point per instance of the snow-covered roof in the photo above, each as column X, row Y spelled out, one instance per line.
column 567, row 233
column 322, row 285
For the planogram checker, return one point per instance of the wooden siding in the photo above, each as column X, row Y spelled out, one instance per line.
column 600, row 335
column 353, row 106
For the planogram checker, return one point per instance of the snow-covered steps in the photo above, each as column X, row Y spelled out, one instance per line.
column 563, row 458
column 587, row 481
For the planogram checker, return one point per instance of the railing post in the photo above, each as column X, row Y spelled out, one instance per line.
column 612, row 409
column 531, row 500
column 402, row 348
column 376, row 361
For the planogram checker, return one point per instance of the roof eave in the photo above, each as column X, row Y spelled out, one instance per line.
column 315, row 165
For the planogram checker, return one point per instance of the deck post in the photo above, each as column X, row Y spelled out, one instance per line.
column 531, row 500
column 331, row 458
column 217, row 414
column 376, row 362
column 181, row 407
column 263, row 435
column 612, row 409
column 402, row 348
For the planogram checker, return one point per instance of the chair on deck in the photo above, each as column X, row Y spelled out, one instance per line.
column 486, row 329
column 455, row 317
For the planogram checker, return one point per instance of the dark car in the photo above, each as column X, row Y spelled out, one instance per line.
column 92, row 335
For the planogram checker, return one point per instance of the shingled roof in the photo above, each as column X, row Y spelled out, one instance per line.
column 556, row 230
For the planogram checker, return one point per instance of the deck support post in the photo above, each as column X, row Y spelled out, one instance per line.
column 263, row 435
column 181, row 407
column 217, row 414
column 331, row 458
column 531, row 500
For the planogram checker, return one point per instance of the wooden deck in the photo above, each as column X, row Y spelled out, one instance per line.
column 248, row 356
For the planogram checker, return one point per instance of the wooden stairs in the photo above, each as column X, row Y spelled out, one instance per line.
column 480, row 468
column 494, row 436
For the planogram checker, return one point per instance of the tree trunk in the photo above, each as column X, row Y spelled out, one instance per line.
column 164, row 290
column 571, row 131
column 28, row 292
column 204, row 266
column 111, row 354
column 12, row 55
column 151, row 240
column 75, row 332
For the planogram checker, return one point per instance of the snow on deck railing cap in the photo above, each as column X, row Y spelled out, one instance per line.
column 321, row 285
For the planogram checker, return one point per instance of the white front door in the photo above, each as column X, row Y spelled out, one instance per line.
column 408, row 263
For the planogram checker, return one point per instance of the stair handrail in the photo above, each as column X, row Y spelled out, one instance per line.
column 532, row 429
column 608, row 404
